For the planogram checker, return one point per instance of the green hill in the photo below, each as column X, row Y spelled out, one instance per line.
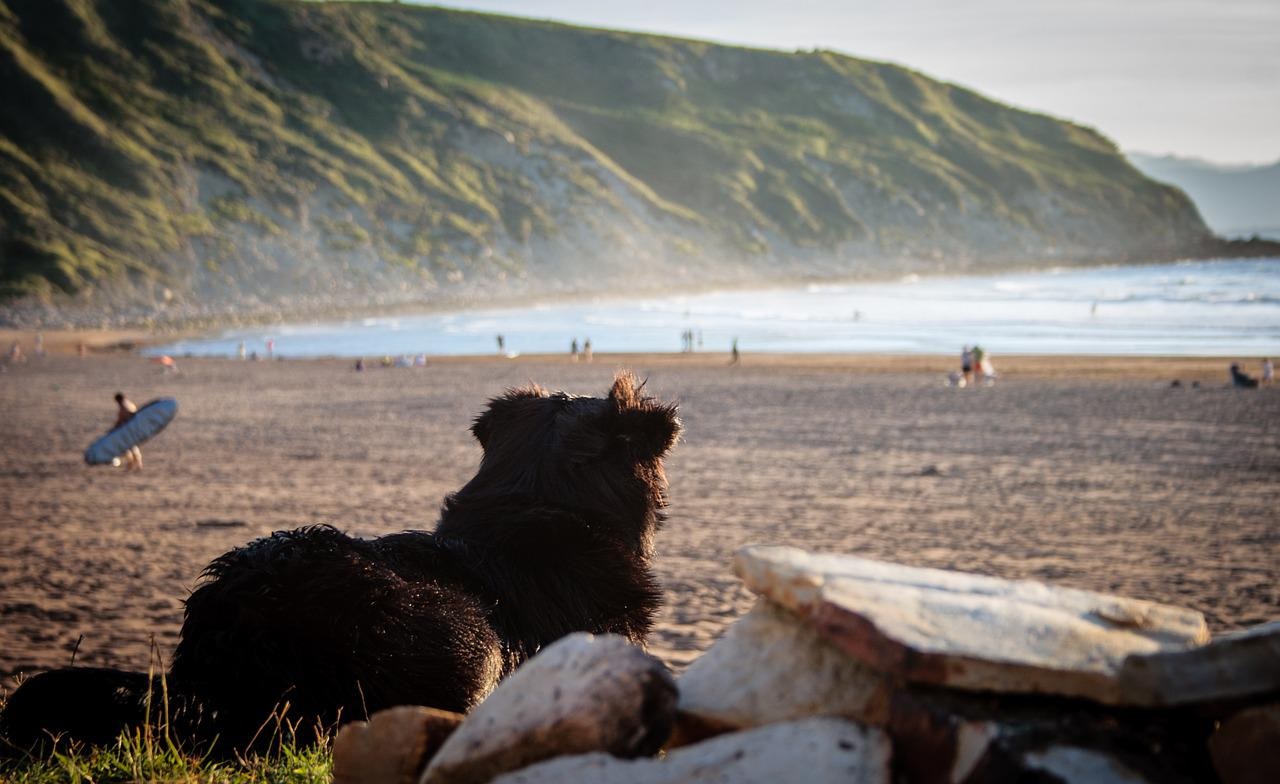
column 202, row 156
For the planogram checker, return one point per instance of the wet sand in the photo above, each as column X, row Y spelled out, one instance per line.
column 1088, row 472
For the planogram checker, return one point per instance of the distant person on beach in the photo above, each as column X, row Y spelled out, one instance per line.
column 502, row 344
column 1268, row 372
column 240, row 350
column 167, row 363
column 966, row 365
column 573, row 349
column 15, row 353
column 125, row 409
column 586, row 349
column 39, row 350
column 987, row 370
column 360, row 365
column 734, row 356
column 1241, row 379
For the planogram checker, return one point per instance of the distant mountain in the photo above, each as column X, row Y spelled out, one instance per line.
column 166, row 159
column 1236, row 201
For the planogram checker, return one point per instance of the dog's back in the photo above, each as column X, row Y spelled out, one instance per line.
column 314, row 625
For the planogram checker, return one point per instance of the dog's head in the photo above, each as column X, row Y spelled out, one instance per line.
column 601, row 456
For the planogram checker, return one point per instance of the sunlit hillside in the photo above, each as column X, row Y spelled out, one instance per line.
column 189, row 157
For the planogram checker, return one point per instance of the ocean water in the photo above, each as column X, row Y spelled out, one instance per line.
column 1218, row 308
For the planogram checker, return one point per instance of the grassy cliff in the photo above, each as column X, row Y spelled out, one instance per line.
column 203, row 155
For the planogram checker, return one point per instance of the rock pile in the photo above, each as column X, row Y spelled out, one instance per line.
column 854, row 670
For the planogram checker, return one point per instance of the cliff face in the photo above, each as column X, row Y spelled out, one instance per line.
column 214, row 154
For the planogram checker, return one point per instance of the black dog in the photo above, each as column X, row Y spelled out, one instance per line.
column 1241, row 379
column 554, row 534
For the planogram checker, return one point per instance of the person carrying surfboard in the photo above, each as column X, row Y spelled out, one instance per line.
column 125, row 409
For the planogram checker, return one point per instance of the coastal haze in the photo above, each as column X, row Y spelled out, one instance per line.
column 1217, row 308
column 228, row 202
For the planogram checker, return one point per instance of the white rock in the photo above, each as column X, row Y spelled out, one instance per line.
column 769, row 667
column 814, row 751
column 1071, row 765
column 580, row 694
column 968, row 631
column 1239, row 664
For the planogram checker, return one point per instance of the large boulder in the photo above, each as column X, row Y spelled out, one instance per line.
column 772, row 667
column 1236, row 665
column 972, row 632
column 580, row 694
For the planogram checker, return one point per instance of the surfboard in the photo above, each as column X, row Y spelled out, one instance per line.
column 149, row 420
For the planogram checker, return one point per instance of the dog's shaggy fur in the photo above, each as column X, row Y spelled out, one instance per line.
column 554, row 534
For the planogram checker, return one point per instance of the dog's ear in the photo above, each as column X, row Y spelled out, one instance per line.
column 500, row 408
column 645, row 428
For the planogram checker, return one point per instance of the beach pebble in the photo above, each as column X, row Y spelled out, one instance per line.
column 770, row 666
column 969, row 631
column 815, row 751
column 392, row 747
column 581, row 694
column 1239, row 664
column 1246, row 748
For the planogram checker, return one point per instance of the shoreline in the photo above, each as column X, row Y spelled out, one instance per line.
column 463, row 299
column 124, row 344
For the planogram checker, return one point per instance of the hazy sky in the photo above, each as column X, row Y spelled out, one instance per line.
column 1192, row 77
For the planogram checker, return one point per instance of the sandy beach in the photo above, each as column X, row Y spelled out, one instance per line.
column 1087, row 472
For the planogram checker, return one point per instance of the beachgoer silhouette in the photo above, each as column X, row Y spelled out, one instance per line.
column 501, row 344
column 987, row 369
column 734, row 356
column 125, row 409
column 1241, row 379
column 966, row 365
column 586, row 349
column 573, row 349
column 1268, row 372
